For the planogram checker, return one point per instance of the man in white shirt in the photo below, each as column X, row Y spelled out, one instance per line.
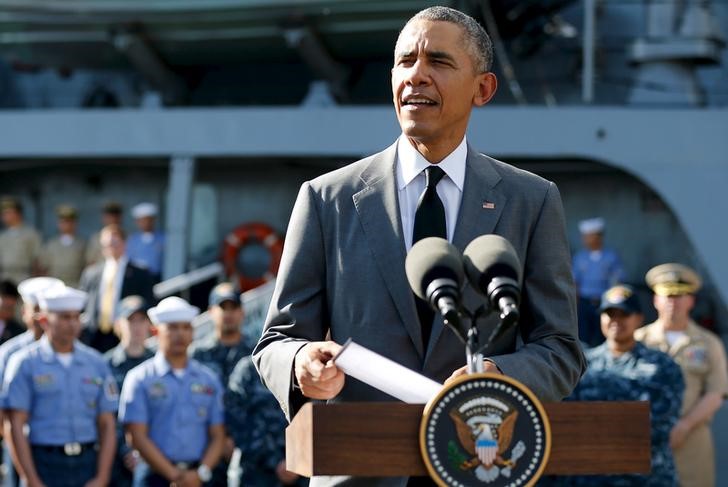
column 342, row 272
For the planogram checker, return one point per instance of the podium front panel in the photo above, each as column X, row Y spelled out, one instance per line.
column 381, row 439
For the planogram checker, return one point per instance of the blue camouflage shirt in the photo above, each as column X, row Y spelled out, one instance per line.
column 120, row 364
column 221, row 358
column 63, row 403
column 177, row 410
column 642, row 374
column 257, row 425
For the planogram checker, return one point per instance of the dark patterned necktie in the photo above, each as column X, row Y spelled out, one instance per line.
column 430, row 214
column 429, row 222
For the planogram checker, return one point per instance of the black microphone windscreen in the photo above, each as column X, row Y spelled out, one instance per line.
column 490, row 256
column 429, row 259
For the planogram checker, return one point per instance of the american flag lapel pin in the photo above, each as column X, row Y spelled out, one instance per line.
column 488, row 205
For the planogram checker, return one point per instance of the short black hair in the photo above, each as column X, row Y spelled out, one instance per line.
column 8, row 288
column 477, row 41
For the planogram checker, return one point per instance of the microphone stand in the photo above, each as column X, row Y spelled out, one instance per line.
column 473, row 349
column 474, row 360
column 473, row 352
column 471, row 338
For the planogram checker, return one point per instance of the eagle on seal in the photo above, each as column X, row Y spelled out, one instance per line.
column 487, row 427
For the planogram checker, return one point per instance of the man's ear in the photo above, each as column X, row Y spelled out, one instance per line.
column 43, row 320
column 486, row 88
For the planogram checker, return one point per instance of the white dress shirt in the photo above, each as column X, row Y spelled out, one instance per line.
column 411, row 184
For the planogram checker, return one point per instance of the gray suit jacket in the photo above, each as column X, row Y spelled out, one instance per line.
column 343, row 272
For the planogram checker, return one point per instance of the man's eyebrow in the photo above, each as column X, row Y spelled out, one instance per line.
column 440, row 55
column 432, row 55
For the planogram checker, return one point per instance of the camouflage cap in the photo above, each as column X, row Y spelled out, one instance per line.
column 224, row 291
column 673, row 280
column 130, row 305
column 621, row 297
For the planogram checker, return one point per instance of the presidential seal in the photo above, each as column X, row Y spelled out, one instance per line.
column 485, row 430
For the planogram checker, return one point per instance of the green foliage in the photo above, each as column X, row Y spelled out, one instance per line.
column 454, row 455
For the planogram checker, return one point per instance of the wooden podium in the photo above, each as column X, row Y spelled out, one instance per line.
column 382, row 439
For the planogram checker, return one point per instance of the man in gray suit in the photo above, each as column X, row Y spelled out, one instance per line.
column 342, row 273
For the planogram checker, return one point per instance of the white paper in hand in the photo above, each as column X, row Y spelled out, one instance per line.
column 385, row 374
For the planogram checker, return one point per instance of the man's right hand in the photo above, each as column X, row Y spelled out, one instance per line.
column 316, row 374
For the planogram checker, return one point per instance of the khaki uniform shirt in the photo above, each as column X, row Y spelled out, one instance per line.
column 65, row 262
column 702, row 358
column 19, row 249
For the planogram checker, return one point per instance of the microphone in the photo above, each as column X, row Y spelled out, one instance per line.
column 434, row 270
column 494, row 270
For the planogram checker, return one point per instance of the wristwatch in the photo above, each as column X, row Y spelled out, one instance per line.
column 204, row 472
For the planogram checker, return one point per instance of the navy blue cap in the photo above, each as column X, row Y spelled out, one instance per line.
column 621, row 297
column 130, row 305
column 224, row 291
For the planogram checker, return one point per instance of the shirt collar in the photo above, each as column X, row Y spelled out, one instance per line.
column 46, row 350
column 162, row 367
column 49, row 355
column 118, row 355
column 692, row 330
column 123, row 260
column 411, row 163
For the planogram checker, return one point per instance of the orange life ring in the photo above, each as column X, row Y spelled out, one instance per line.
column 242, row 236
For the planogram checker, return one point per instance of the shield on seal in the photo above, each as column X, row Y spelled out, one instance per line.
column 486, row 450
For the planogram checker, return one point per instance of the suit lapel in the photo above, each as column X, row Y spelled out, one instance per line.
column 482, row 202
column 480, row 209
column 378, row 207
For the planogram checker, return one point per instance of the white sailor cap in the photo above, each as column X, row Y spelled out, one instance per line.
column 143, row 210
column 29, row 289
column 62, row 298
column 173, row 310
column 592, row 225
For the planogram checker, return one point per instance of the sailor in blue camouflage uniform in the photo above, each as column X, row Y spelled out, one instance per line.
column 64, row 394
column 623, row 369
column 222, row 350
column 29, row 290
column 255, row 421
column 133, row 327
column 171, row 406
